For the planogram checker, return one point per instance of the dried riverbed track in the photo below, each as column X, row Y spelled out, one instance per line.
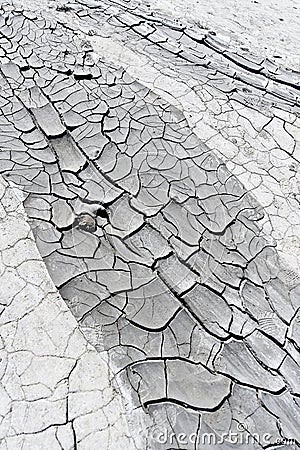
column 155, row 246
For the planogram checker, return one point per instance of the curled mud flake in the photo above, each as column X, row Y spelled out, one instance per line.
column 86, row 222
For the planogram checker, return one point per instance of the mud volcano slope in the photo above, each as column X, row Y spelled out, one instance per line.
column 158, row 249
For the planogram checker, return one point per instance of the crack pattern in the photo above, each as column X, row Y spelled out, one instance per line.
column 152, row 241
column 56, row 390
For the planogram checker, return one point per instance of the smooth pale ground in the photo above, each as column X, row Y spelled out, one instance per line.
column 266, row 27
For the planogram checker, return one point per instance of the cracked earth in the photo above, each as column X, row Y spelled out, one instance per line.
column 149, row 214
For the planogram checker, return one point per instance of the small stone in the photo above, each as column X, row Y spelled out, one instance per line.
column 86, row 222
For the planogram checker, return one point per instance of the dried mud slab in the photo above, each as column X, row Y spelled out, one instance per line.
column 158, row 249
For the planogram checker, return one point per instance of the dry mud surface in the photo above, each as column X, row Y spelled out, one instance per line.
column 150, row 250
